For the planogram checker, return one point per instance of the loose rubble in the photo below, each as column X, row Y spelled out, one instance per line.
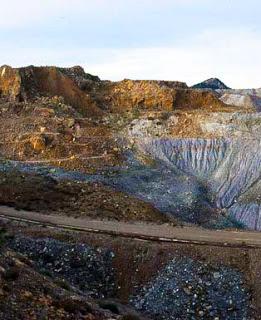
column 89, row 270
column 187, row 289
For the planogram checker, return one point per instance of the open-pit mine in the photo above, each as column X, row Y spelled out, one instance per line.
column 134, row 199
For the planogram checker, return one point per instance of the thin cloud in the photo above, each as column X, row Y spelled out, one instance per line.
column 20, row 14
column 186, row 40
column 230, row 55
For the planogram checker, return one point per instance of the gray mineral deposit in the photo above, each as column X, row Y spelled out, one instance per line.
column 187, row 289
column 87, row 269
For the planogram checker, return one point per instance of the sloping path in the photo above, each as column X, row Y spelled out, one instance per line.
column 143, row 231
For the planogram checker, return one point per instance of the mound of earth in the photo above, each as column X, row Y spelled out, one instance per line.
column 212, row 84
column 186, row 289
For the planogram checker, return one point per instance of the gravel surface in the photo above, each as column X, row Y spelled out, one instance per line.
column 187, row 289
column 90, row 270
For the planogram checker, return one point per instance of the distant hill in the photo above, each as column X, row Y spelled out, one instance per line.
column 212, row 83
column 91, row 96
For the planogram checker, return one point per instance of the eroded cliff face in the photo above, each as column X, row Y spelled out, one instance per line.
column 26, row 84
column 128, row 95
column 228, row 169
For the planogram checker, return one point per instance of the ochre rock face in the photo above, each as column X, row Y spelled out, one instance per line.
column 10, row 83
column 50, row 81
column 38, row 142
column 91, row 96
column 129, row 94
column 31, row 82
column 194, row 99
column 155, row 95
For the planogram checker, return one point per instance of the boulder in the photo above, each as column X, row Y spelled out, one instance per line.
column 10, row 83
column 38, row 143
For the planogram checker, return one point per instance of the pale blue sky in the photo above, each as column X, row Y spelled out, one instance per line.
column 187, row 40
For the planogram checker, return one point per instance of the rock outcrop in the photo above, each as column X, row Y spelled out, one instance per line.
column 243, row 100
column 128, row 95
column 28, row 83
column 91, row 96
column 80, row 77
column 10, row 83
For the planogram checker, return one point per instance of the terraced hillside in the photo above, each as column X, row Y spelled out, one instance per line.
column 178, row 154
column 125, row 157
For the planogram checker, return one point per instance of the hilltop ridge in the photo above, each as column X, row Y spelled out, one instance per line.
column 92, row 96
column 212, row 83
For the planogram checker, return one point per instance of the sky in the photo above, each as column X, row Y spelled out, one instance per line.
column 185, row 40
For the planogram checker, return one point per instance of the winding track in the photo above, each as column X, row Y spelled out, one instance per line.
column 142, row 231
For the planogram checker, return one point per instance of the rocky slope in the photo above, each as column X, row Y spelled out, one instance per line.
column 172, row 151
column 43, row 279
column 132, row 150
column 227, row 175
column 89, row 95
column 45, row 192
column 166, row 306
column 242, row 98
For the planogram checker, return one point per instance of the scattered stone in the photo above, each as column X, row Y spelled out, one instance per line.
column 72, row 263
column 164, row 299
column 70, row 122
column 38, row 143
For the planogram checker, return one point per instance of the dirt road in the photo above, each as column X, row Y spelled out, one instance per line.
column 164, row 233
